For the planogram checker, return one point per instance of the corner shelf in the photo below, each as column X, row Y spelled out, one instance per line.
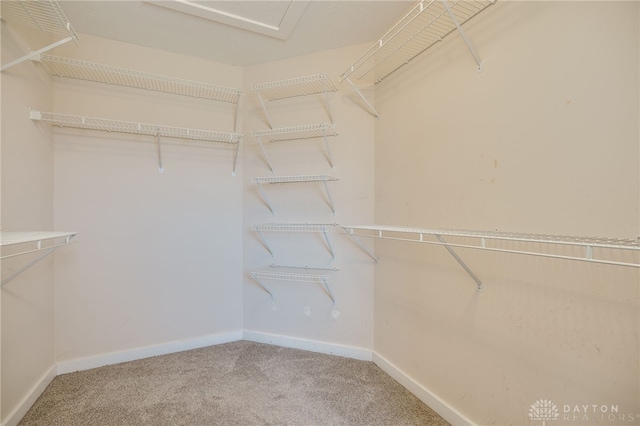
column 45, row 15
column 158, row 131
column 295, row 227
column 15, row 238
column 427, row 23
column 295, row 179
column 294, row 87
column 481, row 240
column 323, row 279
column 323, row 130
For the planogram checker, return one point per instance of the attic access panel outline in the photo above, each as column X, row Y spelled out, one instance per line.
column 282, row 31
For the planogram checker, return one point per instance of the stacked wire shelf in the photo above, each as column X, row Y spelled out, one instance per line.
column 90, row 71
column 317, row 84
column 108, row 125
column 44, row 15
column 427, row 23
column 259, row 275
column 322, row 228
column 20, row 243
column 511, row 242
column 309, row 131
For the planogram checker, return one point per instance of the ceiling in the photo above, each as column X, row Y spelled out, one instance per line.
column 237, row 32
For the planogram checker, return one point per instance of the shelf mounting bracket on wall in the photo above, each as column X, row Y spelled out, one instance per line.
column 309, row 131
column 9, row 238
column 295, row 179
column 296, row 227
column 476, row 58
column 258, row 276
column 460, row 261
column 46, row 16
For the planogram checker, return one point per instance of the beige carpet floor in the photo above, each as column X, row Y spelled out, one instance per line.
column 240, row 383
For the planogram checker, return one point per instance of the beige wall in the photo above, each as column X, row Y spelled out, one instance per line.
column 303, row 310
column 158, row 257
column 27, row 336
column 544, row 140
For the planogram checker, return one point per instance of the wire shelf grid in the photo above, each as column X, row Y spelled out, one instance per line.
column 290, row 276
column 108, row 125
column 427, row 23
column 296, row 132
column 481, row 238
column 294, row 227
column 294, row 179
column 45, row 15
column 8, row 238
column 299, row 86
column 83, row 70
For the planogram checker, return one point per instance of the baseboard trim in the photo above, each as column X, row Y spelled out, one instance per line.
column 443, row 409
column 308, row 345
column 30, row 398
column 80, row 364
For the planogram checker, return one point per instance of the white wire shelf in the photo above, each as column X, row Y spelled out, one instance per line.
column 295, row 87
column 322, row 228
column 294, row 227
column 156, row 130
column 83, row 70
column 295, row 179
column 427, row 23
column 309, row 131
column 45, row 15
column 323, row 279
column 9, row 238
column 296, row 132
column 32, row 242
column 532, row 244
column 108, row 125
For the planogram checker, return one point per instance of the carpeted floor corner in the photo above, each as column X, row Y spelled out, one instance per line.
column 240, row 383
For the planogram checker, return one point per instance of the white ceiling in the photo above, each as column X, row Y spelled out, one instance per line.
column 237, row 32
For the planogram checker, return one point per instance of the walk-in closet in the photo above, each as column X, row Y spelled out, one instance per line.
column 340, row 212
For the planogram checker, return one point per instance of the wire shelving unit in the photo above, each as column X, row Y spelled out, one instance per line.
column 427, row 23
column 32, row 242
column 156, row 130
column 45, row 15
column 260, row 275
column 101, row 73
column 309, row 131
column 294, row 87
column 296, row 227
column 591, row 249
column 295, row 179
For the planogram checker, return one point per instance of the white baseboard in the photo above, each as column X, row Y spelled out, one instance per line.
column 308, row 345
column 80, row 364
column 443, row 409
column 34, row 393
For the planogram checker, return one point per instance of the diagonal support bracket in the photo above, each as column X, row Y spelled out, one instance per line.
column 461, row 262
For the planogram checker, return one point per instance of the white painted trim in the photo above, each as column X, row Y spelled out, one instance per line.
column 308, row 345
column 30, row 398
column 282, row 31
column 79, row 364
column 443, row 409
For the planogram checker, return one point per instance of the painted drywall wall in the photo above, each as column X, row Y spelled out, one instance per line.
column 300, row 309
column 544, row 140
column 27, row 336
column 159, row 255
